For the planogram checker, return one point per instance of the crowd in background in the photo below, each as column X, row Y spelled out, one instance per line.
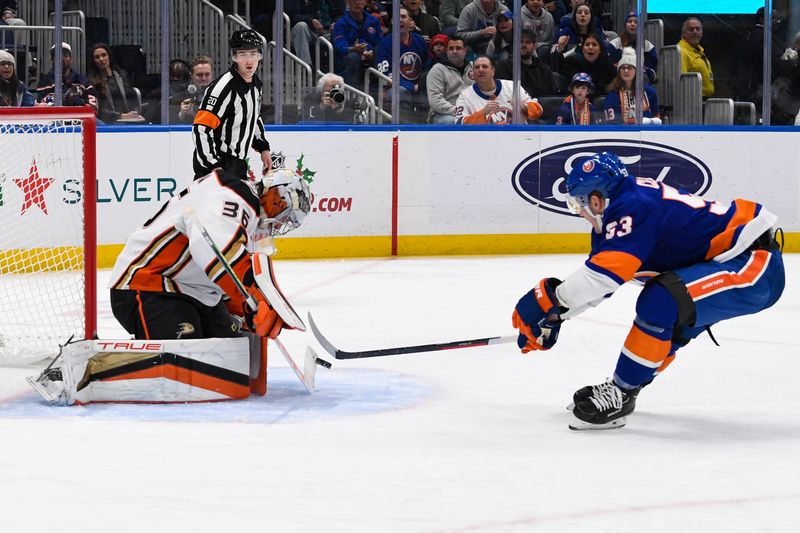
column 572, row 63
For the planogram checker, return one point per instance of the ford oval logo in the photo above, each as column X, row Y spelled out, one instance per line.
column 541, row 178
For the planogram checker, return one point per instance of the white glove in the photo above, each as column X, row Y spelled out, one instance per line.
column 653, row 121
column 790, row 55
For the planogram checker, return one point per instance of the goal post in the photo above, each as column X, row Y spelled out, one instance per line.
column 48, row 235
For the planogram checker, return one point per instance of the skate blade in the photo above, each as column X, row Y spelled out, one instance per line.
column 580, row 425
column 42, row 391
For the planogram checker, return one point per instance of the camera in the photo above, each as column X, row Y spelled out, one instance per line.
column 337, row 95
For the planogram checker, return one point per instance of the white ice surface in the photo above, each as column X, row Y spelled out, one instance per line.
column 465, row 440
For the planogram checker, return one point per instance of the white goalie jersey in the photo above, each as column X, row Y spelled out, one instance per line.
column 169, row 254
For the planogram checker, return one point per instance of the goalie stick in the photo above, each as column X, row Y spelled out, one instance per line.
column 251, row 302
column 342, row 354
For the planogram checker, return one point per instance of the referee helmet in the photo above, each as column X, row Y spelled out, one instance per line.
column 245, row 40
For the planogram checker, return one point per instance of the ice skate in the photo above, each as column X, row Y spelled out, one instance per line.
column 603, row 406
column 49, row 385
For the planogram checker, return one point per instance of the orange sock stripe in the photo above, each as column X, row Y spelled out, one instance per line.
column 188, row 377
column 728, row 280
column 645, row 346
column 670, row 358
column 141, row 315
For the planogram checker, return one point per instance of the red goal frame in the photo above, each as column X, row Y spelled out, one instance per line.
column 89, row 135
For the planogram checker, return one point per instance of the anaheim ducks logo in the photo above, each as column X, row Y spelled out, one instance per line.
column 185, row 328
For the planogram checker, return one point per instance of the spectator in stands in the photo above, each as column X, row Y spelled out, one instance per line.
column 437, row 48
column 13, row 93
column 8, row 14
column 693, row 57
column 329, row 12
column 446, row 80
column 304, row 17
column 414, row 60
column 433, row 8
column 747, row 73
column 356, row 36
column 536, row 75
column 786, row 86
column 490, row 101
column 424, row 23
column 477, row 23
column 557, row 9
column 115, row 97
column 620, row 103
column 573, row 29
column 577, row 109
column 536, row 18
column 178, row 76
column 628, row 39
column 379, row 11
column 76, row 89
column 187, row 101
column 449, row 12
column 501, row 45
column 328, row 102
column 589, row 58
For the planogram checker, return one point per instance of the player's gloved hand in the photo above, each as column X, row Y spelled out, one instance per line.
column 265, row 321
column 537, row 317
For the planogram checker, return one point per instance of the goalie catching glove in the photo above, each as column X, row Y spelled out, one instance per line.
column 538, row 317
column 264, row 321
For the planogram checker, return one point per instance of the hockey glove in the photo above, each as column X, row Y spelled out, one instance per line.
column 537, row 317
column 265, row 320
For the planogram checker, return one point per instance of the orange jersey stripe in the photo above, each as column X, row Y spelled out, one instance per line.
column 148, row 277
column 640, row 344
column 745, row 212
column 475, row 118
column 622, row 264
column 189, row 377
column 206, row 118
column 729, row 280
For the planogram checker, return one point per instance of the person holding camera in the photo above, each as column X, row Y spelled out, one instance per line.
column 201, row 73
column 328, row 102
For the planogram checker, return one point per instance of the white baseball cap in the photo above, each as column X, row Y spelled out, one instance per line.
column 5, row 57
column 65, row 46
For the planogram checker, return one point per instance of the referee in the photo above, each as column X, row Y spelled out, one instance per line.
column 228, row 122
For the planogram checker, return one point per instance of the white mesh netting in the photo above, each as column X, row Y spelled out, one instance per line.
column 41, row 237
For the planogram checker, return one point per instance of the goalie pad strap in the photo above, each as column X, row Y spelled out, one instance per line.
column 687, row 314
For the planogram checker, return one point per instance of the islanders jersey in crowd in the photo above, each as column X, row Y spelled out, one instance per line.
column 472, row 100
column 620, row 106
column 571, row 112
column 414, row 59
column 650, row 227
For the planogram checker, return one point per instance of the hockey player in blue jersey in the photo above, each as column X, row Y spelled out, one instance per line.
column 707, row 262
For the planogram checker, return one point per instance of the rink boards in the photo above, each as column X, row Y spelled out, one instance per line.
column 381, row 192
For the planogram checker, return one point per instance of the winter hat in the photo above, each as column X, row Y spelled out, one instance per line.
column 628, row 57
column 629, row 15
column 5, row 57
column 67, row 49
column 439, row 39
column 581, row 77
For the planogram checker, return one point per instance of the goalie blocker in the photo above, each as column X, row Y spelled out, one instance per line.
column 156, row 371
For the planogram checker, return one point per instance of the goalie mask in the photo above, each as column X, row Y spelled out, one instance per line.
column 285, row 201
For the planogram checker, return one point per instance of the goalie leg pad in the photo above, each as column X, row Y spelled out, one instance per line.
column 156, row 371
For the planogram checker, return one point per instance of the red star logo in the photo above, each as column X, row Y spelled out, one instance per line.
column 33, row 186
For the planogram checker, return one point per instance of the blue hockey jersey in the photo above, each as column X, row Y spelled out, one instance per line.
column 650, row 227
column 414, row 59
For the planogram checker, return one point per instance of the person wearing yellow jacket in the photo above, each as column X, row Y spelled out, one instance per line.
column 693, row 57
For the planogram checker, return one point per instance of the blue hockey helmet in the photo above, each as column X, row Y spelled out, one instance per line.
column 602, row 173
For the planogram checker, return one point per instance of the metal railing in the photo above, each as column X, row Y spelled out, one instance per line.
column 32, row 41
column 382, row 79
column 320, row 42
column 718, row 111
column 689, row 108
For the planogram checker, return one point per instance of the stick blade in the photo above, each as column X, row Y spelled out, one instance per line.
column 325, row 343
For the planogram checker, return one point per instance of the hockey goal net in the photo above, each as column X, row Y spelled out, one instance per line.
column 47, row 230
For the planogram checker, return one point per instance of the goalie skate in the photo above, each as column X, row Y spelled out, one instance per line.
column 50, row 386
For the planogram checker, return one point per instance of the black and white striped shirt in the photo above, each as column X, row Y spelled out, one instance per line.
column 228, row 123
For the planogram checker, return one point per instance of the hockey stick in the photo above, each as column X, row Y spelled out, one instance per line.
column 306, row 376
column 342, row 354
column 251, row 302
